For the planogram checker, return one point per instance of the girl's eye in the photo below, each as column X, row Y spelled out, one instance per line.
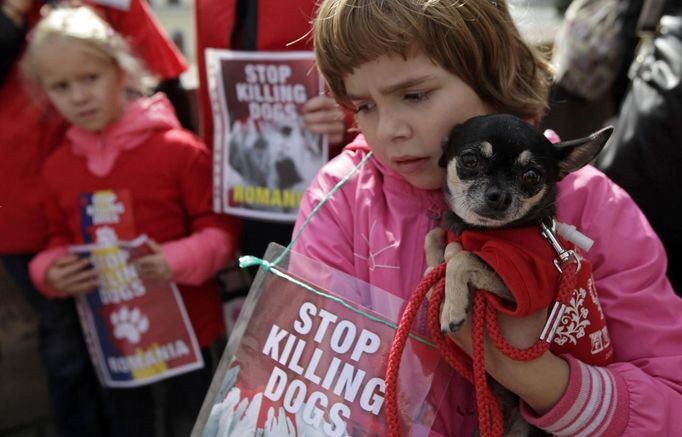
column 531, row 177
column 57, row 87
column 362, row 107
column 417, row 96
column 469, row 160
column 91, row 77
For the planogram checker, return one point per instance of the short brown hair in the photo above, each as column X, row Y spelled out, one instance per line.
column 474, row 39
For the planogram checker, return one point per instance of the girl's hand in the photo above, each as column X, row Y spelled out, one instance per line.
column 322, row 115
column 540, row 382
column 153, row 266
column 72, row 275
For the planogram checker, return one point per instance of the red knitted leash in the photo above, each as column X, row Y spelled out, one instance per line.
column 484, row 317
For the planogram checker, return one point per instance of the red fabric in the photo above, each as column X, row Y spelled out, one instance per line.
column 524, row 260
column 146, row 38
column 169, row 180
column 30, row 130
column 282, row 26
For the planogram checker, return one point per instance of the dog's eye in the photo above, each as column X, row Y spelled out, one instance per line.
column 531, row 177
column 469, row 160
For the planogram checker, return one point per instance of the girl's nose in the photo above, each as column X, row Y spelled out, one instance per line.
column 79, row 93
column 390, row 126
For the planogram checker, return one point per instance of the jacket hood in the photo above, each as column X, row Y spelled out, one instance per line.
column 141, row 119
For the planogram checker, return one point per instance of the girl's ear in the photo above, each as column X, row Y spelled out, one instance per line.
column 577, row 153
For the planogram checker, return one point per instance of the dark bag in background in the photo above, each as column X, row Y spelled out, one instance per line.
column 592, row 52
column 589, row 48
column 644, row 154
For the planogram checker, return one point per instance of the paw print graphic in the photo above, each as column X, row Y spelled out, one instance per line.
column 129, row 324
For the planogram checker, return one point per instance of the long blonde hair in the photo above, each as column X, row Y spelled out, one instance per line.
column 474, row 39
column 83, row 25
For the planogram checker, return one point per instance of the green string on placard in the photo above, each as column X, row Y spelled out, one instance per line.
column 271, row 267
column 248, row 261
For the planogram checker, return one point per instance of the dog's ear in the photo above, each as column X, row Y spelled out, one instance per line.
column 577, row 153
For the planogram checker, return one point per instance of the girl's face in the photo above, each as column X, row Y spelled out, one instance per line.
column 84, row 86
column 405, row 108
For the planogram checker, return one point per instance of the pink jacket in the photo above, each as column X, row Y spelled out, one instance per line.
column 373, row 228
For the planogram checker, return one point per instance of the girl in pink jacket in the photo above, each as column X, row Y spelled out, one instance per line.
column 411, row 70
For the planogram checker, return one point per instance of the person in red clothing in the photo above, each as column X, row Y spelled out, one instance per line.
column 121, row 142
column 29, row 131
column 263, row 25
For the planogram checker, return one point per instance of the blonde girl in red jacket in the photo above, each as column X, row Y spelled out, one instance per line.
column 122, row 142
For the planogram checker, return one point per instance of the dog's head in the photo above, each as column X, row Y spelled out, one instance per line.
column 502, row 171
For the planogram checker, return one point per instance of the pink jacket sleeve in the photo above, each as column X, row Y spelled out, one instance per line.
column 213, row 238
column 640, row 394
column 39, row 266
column 195, row 259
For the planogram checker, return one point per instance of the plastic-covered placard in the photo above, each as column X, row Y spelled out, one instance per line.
column 308, row 358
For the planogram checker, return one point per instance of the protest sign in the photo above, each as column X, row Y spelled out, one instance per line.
column 306, row 360
column 263, row 156
column 137, row 330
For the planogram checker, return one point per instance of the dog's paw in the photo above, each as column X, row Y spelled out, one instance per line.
column 456, row 303
column 451, row 319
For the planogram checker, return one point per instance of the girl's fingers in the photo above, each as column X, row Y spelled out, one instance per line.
column 434, row 247
column 67, row 268
column 66, row 260
column 83, row 288
column 154, row 246
column 319, row 102
column 80, row 277
column 80, row 283
column 153, row 267
column 147, row 265
column 323, row 117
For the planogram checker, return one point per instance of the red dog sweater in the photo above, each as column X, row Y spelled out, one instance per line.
column 524, row 260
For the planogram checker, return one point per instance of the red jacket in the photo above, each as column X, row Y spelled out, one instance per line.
column 524, row 261
column 166, row 173
column 30, row 130
column 278, row 24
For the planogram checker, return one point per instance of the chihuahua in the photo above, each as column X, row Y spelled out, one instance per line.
column 501, row 172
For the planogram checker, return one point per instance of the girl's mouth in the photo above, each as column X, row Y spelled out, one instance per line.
column 85, row 114
column 410, row 164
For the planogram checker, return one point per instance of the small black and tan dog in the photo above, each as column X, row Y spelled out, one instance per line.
column 501, row 172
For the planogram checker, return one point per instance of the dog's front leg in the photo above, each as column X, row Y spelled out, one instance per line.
column 465, row 273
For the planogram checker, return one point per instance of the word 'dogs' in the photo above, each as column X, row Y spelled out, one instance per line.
column 326, row 353
column 269, row 94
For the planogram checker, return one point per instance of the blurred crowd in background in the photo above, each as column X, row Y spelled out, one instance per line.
column 638, row 92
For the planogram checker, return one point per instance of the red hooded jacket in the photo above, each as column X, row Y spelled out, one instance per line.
column 30, row 130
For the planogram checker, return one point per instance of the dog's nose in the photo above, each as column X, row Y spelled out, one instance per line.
column 497, row 199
